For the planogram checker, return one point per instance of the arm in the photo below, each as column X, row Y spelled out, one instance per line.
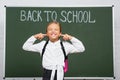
column 75, row 47
column 30, row 46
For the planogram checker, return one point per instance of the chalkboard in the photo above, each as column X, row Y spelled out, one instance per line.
column 92, row 25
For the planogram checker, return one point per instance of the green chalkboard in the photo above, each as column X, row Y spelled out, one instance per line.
column 92, row 25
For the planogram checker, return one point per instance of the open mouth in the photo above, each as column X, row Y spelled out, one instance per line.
column 53, row 34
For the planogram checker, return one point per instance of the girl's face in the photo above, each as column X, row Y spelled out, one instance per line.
column 53, row 32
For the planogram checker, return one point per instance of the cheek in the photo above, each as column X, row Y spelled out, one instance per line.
column 48, row 32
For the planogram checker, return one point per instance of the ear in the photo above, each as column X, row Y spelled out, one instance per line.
column 46, row 34
column 60, row 34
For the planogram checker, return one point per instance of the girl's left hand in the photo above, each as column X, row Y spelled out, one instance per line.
column 66, row 36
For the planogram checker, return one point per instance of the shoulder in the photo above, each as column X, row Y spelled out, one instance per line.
column 41, row 43
column 66, row 43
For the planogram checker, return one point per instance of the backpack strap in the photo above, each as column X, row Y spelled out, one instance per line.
column 63, row 49
column 43, row 50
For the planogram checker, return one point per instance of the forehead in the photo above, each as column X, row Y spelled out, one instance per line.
column 53, row 25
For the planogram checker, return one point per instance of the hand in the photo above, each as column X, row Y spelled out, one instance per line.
column 40, row 36
column 66, row 36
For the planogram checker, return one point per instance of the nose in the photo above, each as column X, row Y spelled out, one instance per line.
column 53, row 30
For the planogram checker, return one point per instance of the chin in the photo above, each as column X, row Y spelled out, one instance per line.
column 54, row 38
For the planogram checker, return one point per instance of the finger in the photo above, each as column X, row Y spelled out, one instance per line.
column 62, row 35
column 44, row 34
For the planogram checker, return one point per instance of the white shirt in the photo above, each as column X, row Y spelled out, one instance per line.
column 53, row 57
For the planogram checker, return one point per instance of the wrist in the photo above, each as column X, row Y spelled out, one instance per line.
column 35, row 36
column 70, row 37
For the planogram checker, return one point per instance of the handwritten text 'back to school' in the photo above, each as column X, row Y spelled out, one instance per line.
column 62, row 16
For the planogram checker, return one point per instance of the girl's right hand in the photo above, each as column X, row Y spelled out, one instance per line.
column 39, row 36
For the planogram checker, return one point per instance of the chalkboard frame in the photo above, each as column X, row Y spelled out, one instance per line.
column 86, row 77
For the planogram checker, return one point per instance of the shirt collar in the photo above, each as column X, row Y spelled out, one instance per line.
column 57, row 42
